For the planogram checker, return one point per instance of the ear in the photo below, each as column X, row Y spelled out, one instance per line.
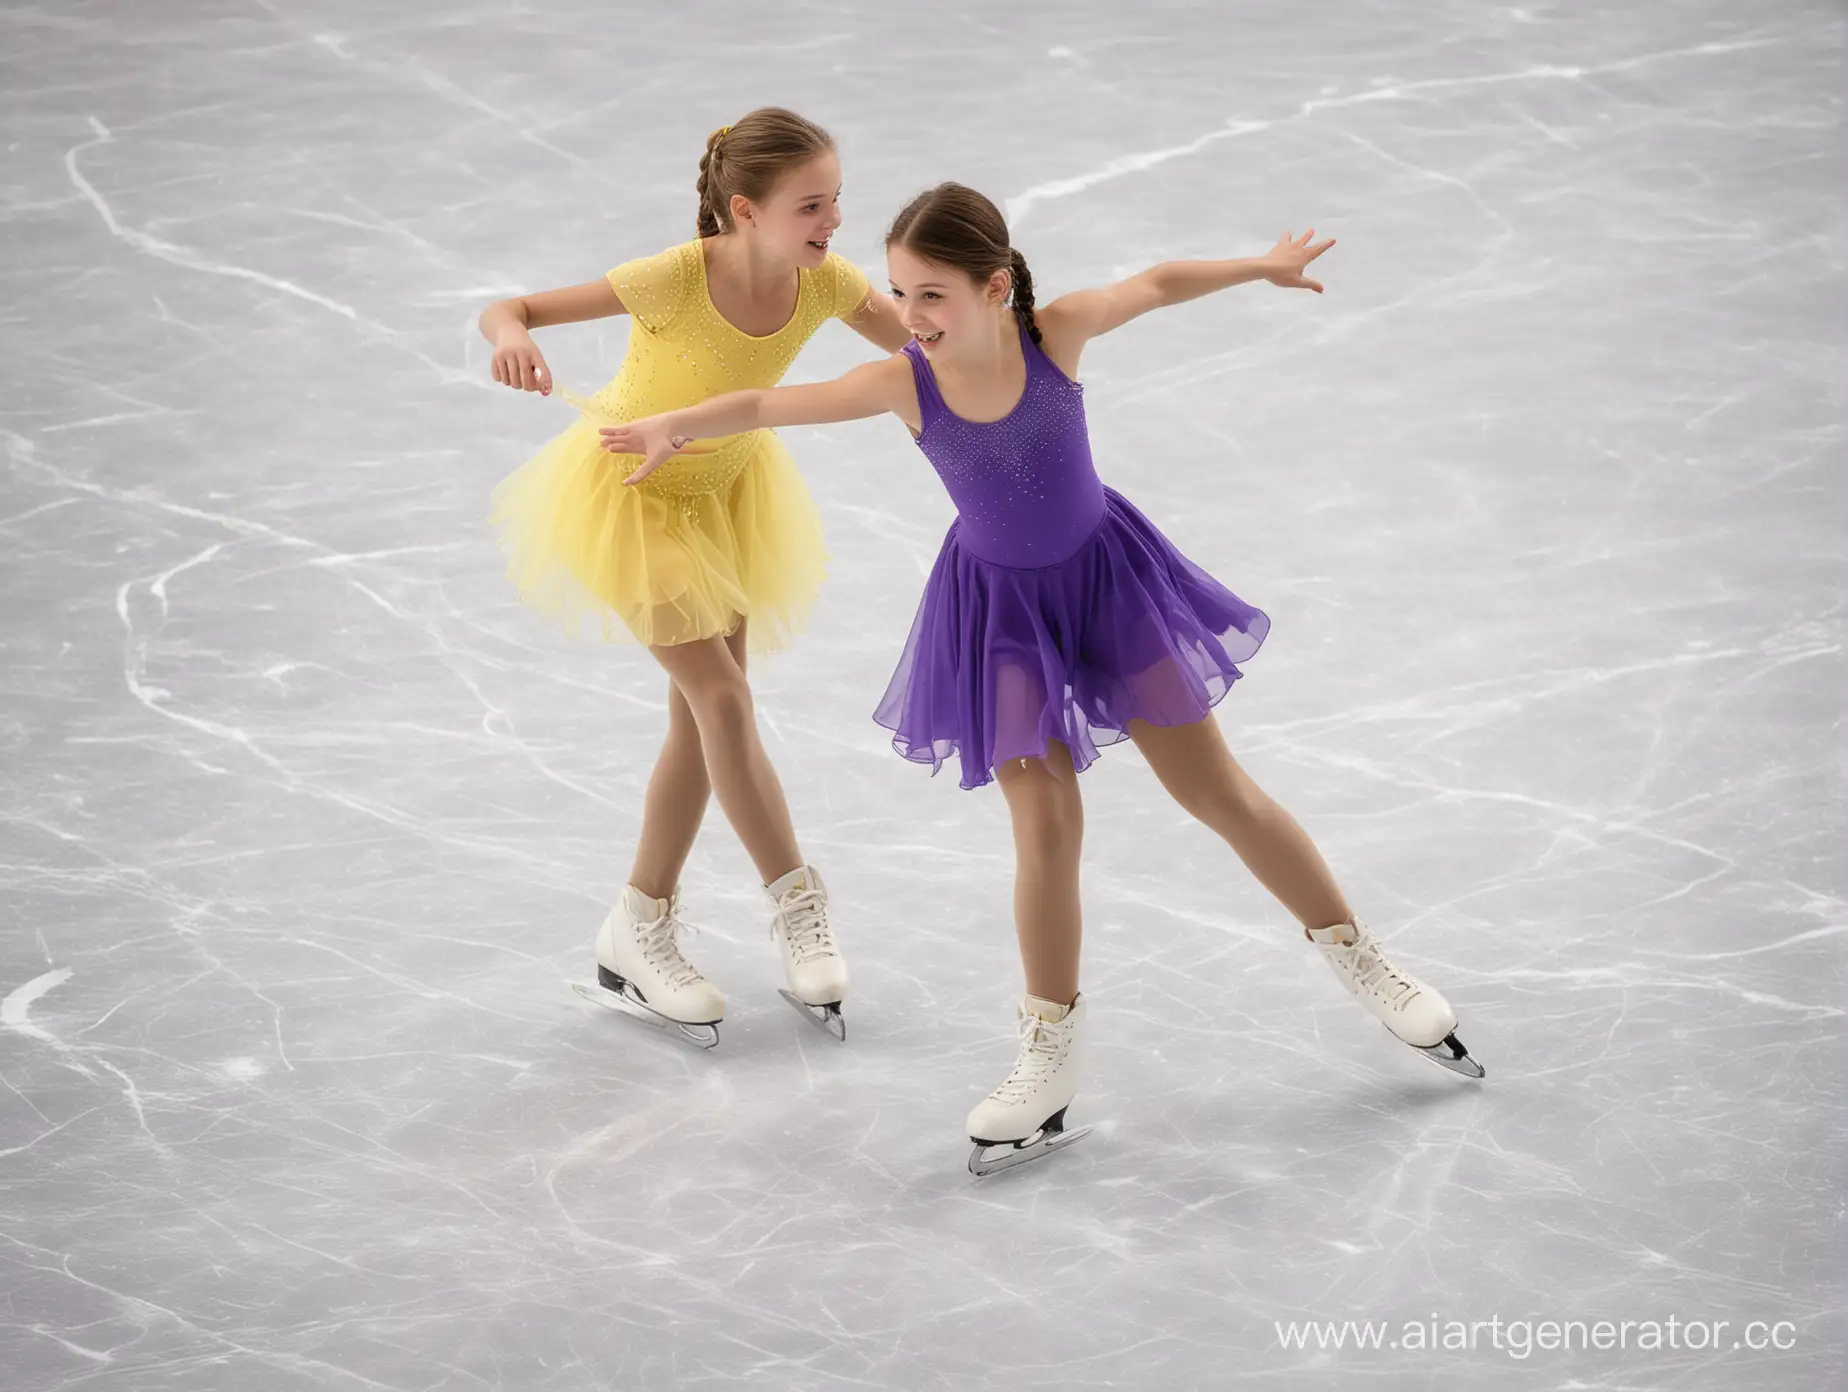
column 1000, row 284
column 743, row 211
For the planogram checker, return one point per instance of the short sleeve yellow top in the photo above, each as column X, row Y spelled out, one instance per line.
column 683, row 351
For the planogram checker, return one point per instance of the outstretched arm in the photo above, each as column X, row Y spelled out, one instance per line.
column 869, row 390
column 1086, row 314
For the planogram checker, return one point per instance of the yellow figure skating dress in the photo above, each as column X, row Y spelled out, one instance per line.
column 708, row 539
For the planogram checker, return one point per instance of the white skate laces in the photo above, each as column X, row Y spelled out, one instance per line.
column 1041, row 1044
column 802, row 918
column 660, row 946
column 1368, row 971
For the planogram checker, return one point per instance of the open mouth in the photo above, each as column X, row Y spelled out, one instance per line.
column 928, row 338
column 822, row 245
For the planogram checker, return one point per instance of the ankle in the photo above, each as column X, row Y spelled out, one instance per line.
column 1345, row 930
column 803, row 876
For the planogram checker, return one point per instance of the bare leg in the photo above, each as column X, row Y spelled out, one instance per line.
column 1199, row 772
column 712, row 681
column 678, row 792
column 1048, row 815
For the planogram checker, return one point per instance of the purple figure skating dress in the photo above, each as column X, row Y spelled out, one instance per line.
column 1056, row 611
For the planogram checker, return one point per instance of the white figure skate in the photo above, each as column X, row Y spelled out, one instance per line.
column 1024, row 1118
column 642, row 972
column 812, row 959
column 1415, row 1014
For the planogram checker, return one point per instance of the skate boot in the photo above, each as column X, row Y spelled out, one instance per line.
column 1024, row 1118
column 812, row 960
column 1414, row 1012
column 641, row 971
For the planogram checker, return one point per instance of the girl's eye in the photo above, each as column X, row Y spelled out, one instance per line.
column 932, row 295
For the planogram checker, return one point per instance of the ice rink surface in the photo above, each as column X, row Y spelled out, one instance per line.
column 307, row 822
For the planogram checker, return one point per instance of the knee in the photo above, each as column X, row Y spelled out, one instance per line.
column 1047, row 826
column 722, row 706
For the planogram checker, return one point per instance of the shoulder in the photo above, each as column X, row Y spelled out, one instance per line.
column 1065, row 326
column 900, row 383
column 671, row 264
column 844, row 285
column 894, row 373
column 653, row 288
column 890, row 382
column 901, row 365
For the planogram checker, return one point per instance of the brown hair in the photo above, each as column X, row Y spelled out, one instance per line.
column 749, row 157
column 955, row 226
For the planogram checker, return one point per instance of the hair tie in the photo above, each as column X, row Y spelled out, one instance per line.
column 720, row 134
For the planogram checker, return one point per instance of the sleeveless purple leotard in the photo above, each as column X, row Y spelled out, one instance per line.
column 1056, row 611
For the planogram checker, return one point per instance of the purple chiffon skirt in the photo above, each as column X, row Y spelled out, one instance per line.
column 1002, row 661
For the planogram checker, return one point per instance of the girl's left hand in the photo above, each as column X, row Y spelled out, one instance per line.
column 1286, row 261
column 649, row 439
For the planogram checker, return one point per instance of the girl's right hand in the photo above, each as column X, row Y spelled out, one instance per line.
column 518, row 364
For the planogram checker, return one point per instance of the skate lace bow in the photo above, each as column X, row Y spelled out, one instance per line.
column 1040, row 1042
column 802, row 914
column 661, row 947
column 1363, row 961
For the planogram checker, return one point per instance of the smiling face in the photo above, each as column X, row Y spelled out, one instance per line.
column 948, row 313
column 798, row 217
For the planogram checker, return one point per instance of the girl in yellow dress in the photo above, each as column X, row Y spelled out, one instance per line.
column 708, row 561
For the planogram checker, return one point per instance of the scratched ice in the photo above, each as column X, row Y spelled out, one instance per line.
column 305, row 822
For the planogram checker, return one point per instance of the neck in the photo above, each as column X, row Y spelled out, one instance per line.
column 990, row 351
column 742, row 262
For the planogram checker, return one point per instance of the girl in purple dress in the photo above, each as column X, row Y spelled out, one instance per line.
column 1058, row 619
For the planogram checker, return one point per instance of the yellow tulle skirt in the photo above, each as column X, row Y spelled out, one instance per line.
column 701, row 545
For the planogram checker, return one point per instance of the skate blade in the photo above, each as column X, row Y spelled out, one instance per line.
column 706, row 1036
column 826, row 1018
column 1450, row 1054
column 997, row 1156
